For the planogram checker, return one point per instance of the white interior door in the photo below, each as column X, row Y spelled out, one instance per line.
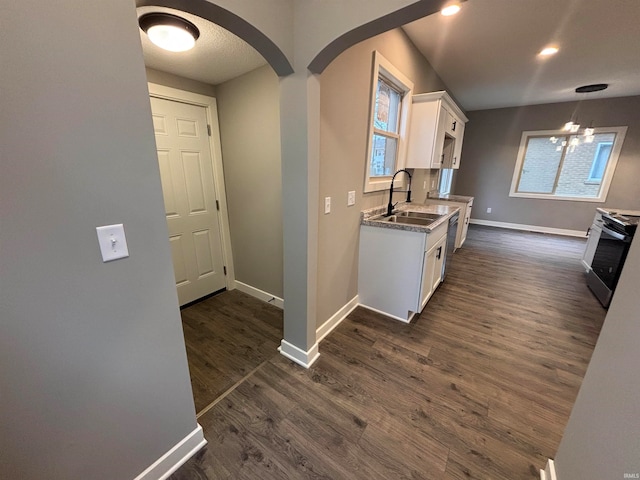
column 186, row 170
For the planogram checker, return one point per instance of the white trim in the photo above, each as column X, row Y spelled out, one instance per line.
column 297, row 355
column 549, row 473
column 211, row 107
column 186, row 448
column 606, row 179
column 327, row 327
column 403, row 83
column 260, row 294
column 530, row 228
column 403, row 320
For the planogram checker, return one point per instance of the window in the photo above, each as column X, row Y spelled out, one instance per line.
column 561, row 166
column 603, row 152
column 446, row 176
column 390, row 101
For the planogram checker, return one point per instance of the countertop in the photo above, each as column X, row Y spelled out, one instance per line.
column 366, row 216
column 449, row 198
column 621, row 211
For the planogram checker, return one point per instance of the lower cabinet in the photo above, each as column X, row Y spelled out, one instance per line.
column 432, row 270
column 594, row 235
column 399, row 270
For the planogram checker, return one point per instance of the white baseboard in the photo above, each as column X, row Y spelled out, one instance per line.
column 530, row 228
column 299, row 356
column 260, row 294
column 327, row 327
column 162, row 468
column 403, row 320
column 549, row 473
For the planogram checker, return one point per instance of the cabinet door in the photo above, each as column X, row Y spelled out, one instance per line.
column 450, row 123
column 439, row 262
column 457, row 149
column 465, row 226
column 592, row 243
column 428, row 271
column 441, row 124
column 423, row 128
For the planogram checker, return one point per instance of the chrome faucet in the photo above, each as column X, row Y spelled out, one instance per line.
column 391, row 204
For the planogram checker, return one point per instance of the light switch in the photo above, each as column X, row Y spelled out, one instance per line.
column 113, row 243
column 351, row 198
column 327, row 205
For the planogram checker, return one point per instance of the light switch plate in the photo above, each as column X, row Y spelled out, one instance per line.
column 351, row 198
column 113, row 243
column 327, row 205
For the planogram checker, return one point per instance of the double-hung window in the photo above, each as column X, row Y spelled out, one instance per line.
column 390, row 103
column 565, row 166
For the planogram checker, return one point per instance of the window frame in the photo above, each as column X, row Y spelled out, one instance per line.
column 384, row 68
column 607, row 177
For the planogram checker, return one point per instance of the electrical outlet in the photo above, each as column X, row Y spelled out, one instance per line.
column 489, row 210
column 327, row 205
column 433, row 184
column 351, row 198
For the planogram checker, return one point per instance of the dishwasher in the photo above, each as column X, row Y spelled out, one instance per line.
column 451, row 243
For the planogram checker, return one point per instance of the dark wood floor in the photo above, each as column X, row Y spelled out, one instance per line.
column 227, row 336
column 480, row 386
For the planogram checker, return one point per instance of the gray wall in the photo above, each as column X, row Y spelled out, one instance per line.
column 94, row 374
column 489, row 156
column 344, row 110
column 181, row 83
column 601, row 439
column 249, row 114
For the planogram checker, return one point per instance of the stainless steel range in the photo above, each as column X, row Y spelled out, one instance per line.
column 617, row 232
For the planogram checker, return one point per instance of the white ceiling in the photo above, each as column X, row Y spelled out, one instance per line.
column 218, row 56
column 486, row 54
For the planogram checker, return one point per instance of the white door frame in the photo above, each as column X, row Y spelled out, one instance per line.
column 211, row 107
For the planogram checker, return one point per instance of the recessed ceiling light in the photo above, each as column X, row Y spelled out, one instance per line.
column 450, row 9
column 545, row 52
column 169, row 32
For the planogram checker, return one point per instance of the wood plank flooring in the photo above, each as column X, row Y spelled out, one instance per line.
column 227, row 336
column 480, row 386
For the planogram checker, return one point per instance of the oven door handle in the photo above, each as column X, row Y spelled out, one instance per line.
column 616, row 235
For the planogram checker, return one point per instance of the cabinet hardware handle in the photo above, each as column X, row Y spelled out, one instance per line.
column 455, row 160
column 454, row 126
column 466, row 220
column 439, row 253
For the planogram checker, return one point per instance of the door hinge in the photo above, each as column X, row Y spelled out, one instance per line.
column 209, row 129
column 217, row 205
column 224, row 268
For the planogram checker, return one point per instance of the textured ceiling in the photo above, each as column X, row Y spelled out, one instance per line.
column 217, row 57
column 487, row 53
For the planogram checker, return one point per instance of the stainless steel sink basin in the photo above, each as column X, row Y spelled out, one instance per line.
column 424, row 215
column 408, row 220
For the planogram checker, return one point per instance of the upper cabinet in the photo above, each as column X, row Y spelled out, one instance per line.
column 436, row 131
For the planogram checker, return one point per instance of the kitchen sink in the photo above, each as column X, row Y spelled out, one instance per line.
column 423, row 215
column 408, row 220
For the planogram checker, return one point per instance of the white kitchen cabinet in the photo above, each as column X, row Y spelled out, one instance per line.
column 594, row 235
column 435, row 121
column 457, row 148
column 465, row 204
column 461, row 234
column 399, row 269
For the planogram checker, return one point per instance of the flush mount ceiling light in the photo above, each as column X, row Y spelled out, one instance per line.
column 450, row 9
column 548, row 51
column 169, row 31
